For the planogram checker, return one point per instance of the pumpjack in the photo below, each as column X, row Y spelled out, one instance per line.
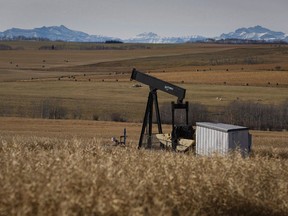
column 181, row 136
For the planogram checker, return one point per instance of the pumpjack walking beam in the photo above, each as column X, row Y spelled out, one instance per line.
column 155, row 84
column 158, row 84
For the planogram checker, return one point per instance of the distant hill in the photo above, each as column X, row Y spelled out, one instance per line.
column 255, row 33
column 154, row 38
column 54, row 33
column 62, row 33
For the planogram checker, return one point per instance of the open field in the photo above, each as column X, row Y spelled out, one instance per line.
column 112, row 60
column 101, row 99
column 263, row 141
column 71, row 167
column 59, row 167
column 98, row 75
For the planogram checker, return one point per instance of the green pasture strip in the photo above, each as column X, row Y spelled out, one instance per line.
column 104, row 98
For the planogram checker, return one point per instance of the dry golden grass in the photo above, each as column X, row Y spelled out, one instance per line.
column 270, row 143
column 51, row 176
column 68, row 129
column 65, row 167
column 76, row 59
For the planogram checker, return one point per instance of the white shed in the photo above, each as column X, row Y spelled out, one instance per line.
column 221, row 138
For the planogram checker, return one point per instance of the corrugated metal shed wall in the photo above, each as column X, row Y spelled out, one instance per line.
column 221, row 138
column 209, row 141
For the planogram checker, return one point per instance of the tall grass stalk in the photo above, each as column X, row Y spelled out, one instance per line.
column 45, row 176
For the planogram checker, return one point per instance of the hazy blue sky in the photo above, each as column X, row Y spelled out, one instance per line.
column 126, row 18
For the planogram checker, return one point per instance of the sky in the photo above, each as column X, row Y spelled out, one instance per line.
column 127, row 18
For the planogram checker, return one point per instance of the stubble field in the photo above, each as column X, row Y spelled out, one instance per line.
column 70, row 167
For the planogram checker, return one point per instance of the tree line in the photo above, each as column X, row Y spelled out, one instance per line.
column 254, row 115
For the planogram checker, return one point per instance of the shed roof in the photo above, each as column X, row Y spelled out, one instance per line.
column 221, row 126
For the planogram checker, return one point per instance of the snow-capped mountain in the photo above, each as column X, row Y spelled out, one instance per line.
column 151, row 37
column 63, row 33
column 255, row 33
column 54, row 33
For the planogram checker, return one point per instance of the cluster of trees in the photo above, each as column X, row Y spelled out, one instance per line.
column 53, row 108
column 93, row 46
column 48, row 108
column 23, row 38
column 254, row 115
column 197, row 112
column 113, row 41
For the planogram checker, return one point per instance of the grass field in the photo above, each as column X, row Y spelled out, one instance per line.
column 98, row 75
column 56, row 167
column 71, row 167
column 104, row 98
column 263, row 141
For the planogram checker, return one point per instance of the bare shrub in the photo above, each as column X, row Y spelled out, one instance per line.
column 77, row 113
column 284, row 117
column 95, row 117
column 52, row 47
column 52, row 109
column 5, row 110
column 198, row 113
column 278, row 68
column 117, row 117
column 5, row 47
column 256, row 115
column 251, row 60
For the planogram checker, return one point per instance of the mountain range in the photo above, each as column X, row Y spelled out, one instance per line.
column 150, row 37
column 53, row 33
column 255, row 33
column 62, row 33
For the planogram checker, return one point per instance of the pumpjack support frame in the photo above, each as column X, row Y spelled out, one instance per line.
column 148, row 118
